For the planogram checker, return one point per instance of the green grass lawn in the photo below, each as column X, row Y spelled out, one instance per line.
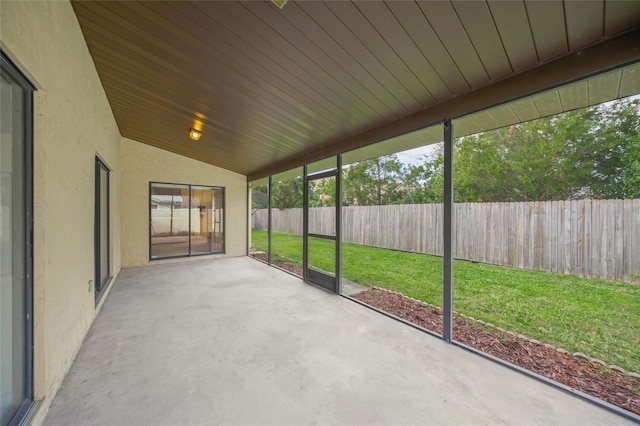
column 596, row 317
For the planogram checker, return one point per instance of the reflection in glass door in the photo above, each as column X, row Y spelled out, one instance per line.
column 170, row 220
column 15, row 244
column 206, row 220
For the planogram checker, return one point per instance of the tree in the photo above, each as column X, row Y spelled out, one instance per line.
column 374, row 182
column 616, row 171
column 259, row 198
column 591, row 152
column 287, row 194
column 630, row 176
column 323, row 193
column 424, row 183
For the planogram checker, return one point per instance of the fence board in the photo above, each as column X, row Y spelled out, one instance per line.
column 596, row 237
column 579, row 240
column 618, row 256
column 572, row 240
column 555, row 231
column 540, row 237
column 587, row 239
column 591, row 238
column 635, row 241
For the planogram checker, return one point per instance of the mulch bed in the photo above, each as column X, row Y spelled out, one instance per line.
column 578, row 373
column 289, row 267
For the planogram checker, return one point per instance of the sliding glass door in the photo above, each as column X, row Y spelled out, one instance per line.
column 185, row 220
column 16, row 328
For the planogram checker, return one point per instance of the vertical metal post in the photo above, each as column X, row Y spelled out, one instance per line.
column 249, row 217
column 269, row 228
column 305, row 225
column 190, row 207
column 338, row 199
column 447, row 302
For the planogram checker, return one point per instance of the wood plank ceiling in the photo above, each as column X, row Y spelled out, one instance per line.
column 267, row 85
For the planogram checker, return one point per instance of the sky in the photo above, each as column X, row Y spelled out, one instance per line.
column 416, row 156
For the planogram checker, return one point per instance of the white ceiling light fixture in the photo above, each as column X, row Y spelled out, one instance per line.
column 195, row 134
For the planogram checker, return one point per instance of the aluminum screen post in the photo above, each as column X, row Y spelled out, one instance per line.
column 447, row 302
column 338, row 200
column 305, row 224
column 249, row 218
column 269, row 228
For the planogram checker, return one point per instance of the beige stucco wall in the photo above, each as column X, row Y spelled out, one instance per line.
column 142, row 164
column 73, row 124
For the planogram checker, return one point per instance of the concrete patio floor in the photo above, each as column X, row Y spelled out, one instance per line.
column 233, row 341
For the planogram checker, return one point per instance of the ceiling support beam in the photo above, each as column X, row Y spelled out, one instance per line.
column 606, row 55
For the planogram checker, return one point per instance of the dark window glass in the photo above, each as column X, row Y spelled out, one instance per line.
column 101, row 227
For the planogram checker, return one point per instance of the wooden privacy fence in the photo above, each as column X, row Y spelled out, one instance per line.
column 587, row 238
